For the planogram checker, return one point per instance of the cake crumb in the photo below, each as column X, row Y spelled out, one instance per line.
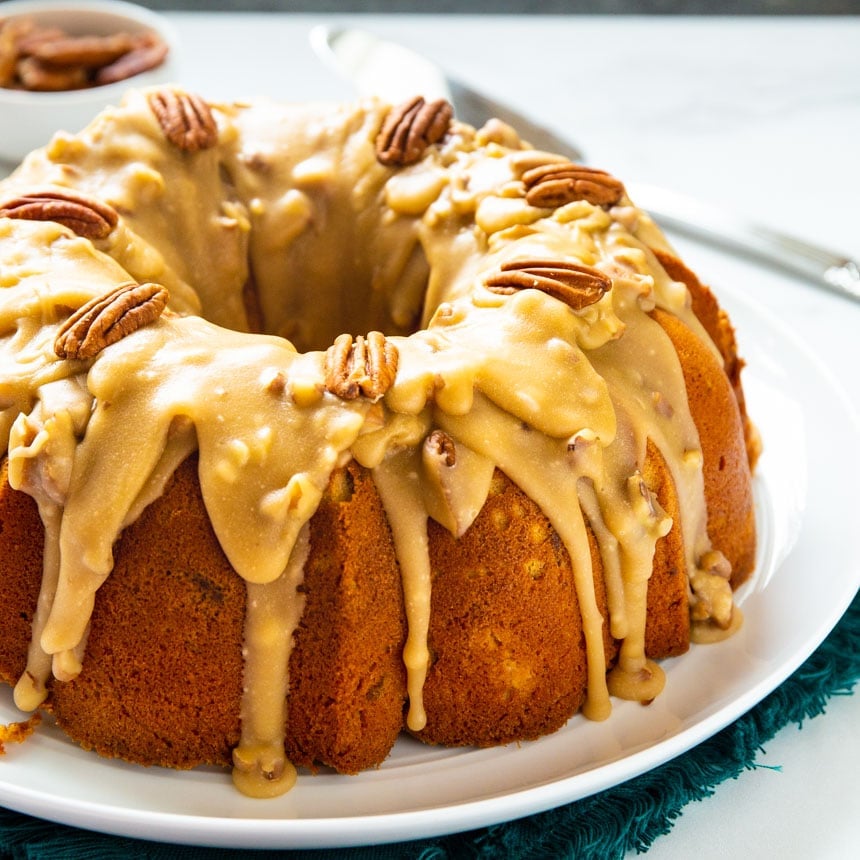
column 17, row 733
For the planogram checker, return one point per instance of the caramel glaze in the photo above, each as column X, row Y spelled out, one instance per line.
column 292, row 209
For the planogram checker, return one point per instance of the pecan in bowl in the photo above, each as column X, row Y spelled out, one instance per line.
column 62, row 63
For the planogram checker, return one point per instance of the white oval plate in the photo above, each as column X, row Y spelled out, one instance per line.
column 808, row 572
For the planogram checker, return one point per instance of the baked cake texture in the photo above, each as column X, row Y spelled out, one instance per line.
column 323, row 422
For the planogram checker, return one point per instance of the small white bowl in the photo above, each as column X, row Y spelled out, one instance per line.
column 29, row 119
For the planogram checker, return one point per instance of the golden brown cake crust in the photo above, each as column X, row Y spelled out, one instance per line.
column 718, row 325
column 507, row 650
column 728, row 484
column 20, row 575
column 347, row 681
column 162, row 679
column 667, row 633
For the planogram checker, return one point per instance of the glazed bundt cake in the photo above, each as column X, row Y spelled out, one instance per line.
column 325, row 422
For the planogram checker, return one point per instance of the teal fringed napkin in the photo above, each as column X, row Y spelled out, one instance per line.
column 607, row 825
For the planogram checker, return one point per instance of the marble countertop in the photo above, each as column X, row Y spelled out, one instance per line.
column 759, row 116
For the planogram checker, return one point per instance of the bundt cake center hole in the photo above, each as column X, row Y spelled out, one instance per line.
column 331, row 292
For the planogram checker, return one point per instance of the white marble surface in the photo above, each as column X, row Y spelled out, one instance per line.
column 761, row 116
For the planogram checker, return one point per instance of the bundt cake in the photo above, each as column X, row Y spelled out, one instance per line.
column 324, row 422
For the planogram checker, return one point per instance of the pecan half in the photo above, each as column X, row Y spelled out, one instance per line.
column 85, row 51
column 82, row 214
column 576, row 285
column 41, row 77
column 364, row 366
column 108, row 318
column 410, row 128
column 185, row 119
column 146, row 53
column 12, row 32
column 555, row 184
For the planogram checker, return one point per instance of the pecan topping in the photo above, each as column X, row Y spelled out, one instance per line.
column 365, row 366
column 84, row 215
column 440, row 445
column 185, row 119
column 410, row 128
column 108, row 318
column 555, row 184
column 576, row 285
